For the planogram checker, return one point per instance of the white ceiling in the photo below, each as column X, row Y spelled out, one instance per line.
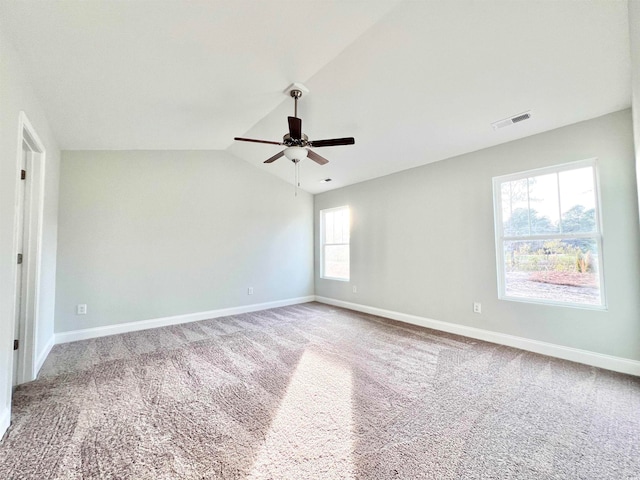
column 413, row 81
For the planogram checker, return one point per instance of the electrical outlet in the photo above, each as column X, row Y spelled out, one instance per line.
column 250, row 291
column 477, row 307
column 81, row 309
column 355, row 289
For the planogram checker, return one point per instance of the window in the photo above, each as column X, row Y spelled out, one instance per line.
column 334, row 240
column 548, row 236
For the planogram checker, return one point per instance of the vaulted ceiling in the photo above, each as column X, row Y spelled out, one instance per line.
column 414, row 81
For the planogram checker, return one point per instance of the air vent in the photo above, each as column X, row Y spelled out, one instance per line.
column 511, row 120
column 520, row 118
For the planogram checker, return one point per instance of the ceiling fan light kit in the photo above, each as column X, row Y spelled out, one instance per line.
column 295, row 154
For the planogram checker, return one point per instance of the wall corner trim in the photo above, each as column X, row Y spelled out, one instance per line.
column 87, row 333
column 5, row 419
column 43, row 356
column 607, row 362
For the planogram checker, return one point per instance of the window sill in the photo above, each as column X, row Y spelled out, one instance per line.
column 583, row 306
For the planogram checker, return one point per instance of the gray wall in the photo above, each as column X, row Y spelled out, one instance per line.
column 16, row 95
column 422, row 240
column 634, row 40
column 149, row 234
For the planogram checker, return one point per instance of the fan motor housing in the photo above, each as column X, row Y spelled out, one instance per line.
column 295, row 142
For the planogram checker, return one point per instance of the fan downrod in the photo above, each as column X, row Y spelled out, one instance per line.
column 295, row 94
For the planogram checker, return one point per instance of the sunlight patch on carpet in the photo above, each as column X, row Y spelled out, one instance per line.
column 311, row 435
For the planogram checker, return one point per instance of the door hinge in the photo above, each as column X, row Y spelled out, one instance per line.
column 19, row 258
column 23, row 174
column 16, row 344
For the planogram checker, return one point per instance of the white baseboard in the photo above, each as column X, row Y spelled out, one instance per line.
column 5, row 420
column 43, row 356
column 608, row 362
column 84, row 334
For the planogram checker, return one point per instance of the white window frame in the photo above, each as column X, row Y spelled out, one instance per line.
column 323, row 245
column 501, row 238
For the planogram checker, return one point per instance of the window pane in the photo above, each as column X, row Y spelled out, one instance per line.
column 328, row 227
column 544, row 206
column 563, row 271
column 344, row 218
column 347, row 225
column 338, row 226
column 515, row 213
column 577, row 197
column 336, row 261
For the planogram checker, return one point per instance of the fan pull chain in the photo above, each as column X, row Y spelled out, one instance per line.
column 297, row 178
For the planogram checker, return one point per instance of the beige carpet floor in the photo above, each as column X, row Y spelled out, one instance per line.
column 316, row 392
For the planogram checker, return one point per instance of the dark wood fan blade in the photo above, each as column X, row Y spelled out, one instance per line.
column 333, row 142
column 275, row 157
column 295, row 127
column 257, row 141
column 316, row 158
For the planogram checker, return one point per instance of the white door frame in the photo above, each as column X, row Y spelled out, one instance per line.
column 32, row 240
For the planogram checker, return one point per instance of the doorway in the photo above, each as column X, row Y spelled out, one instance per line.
column 27, row 241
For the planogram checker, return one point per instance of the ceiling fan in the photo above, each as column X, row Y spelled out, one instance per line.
column 297, row 143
